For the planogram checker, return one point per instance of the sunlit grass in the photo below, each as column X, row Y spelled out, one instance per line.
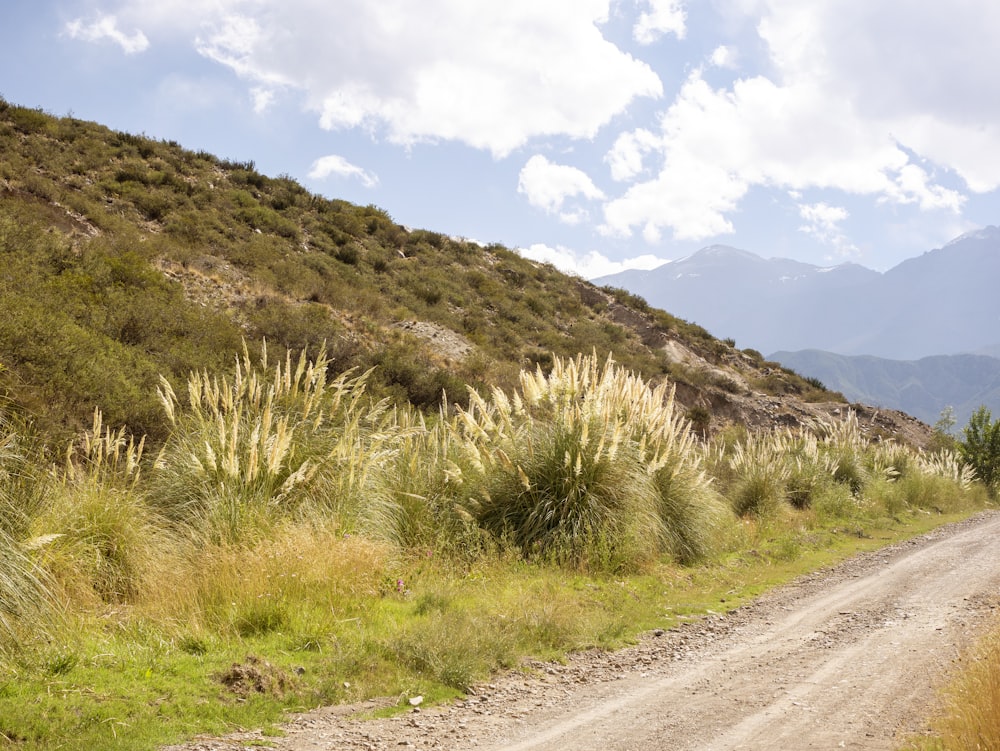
column 968, row 718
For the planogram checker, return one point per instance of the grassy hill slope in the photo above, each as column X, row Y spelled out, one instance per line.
column 127, row 258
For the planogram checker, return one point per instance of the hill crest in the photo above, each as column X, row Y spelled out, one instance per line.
column 131, row 258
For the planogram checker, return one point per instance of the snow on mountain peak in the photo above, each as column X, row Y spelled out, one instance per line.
column 990, row 232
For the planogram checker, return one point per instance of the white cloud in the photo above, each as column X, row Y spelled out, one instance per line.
column 689, row 197
column 717, row 144
column 333, row 164
column 821, row 217
column 491, row 75
column 923, row 72
column 262, row 97
column 588, row 265
column 626, row 158
column 858, row 96
column 913, row 185
column 548, row 185
column 663, row 17
column 822, row 221
column 106, row 27
column 724, row 57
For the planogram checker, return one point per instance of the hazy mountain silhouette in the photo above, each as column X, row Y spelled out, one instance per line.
column 922, row 388
column 942, row 302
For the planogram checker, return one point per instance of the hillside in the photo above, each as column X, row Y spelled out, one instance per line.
column 128, row 258
column 939, row 303
column 922, row 388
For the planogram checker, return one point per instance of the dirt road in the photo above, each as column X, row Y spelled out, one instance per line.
column 845, row 658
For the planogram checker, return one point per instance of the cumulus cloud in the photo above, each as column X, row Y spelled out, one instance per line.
column 334, row 164
column 106, row 28
column 589, row 265
column 489, row 75
column 924, row 73
column 724, row 57
column 662, row 17
column 820, row 119
column 627, row 157
column 688, row 196
column 548, row 185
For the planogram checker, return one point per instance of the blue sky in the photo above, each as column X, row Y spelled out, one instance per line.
column 595, row 134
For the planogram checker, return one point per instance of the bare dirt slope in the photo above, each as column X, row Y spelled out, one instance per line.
column 845, row 658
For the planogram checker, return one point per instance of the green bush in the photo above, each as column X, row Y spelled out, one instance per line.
column 980, row 447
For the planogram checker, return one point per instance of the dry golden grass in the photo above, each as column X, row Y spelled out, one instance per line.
column 969, row 718
column 302, row 576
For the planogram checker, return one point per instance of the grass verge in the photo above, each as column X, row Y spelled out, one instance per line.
column 969, row 713
column 326, row 618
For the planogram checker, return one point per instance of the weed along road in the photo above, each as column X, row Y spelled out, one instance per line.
column 845, row 658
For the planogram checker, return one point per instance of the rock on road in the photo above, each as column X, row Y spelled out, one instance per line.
column 849, row 657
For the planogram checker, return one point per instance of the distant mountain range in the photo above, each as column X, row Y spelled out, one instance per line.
column 920, row 337
column 922, row 388
column 943, row 302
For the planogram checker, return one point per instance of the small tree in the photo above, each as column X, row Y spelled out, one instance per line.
column 943, row 438
column 981, row 447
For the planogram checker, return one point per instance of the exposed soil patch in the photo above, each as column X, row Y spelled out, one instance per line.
column 447, row 344
column 255, row 676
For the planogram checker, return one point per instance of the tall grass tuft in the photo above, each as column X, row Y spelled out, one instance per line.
column 267, row 445
column 101, row 537
column 833, row 469
column 27, row 608
column 693, row 513
column 23, row 484
column 26, row 604
column 810, row 471
column 759, row 466
column 846, row 446
column 570, row 465
column 429, row 475
column 970, row 716
column 947, row 465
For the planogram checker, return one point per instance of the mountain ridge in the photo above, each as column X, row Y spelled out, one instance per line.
column 923, row 388
column 938, row 303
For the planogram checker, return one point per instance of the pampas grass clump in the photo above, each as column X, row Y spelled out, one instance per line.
column 575, row 465
column 269, row 444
